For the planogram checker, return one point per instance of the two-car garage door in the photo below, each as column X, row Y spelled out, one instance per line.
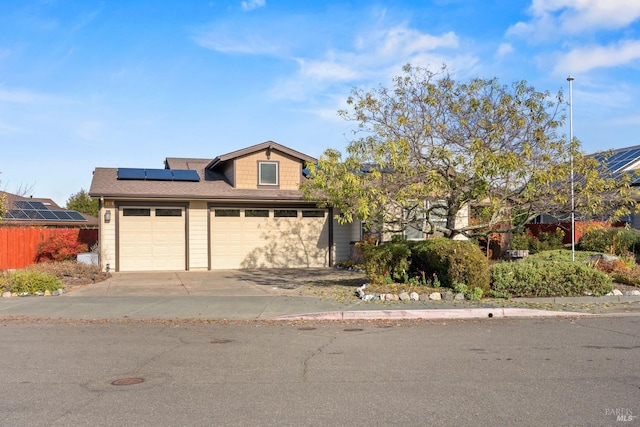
column 152, row 238
column 268, row 238
column 155, row 238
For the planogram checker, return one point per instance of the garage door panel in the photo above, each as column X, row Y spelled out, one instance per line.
column 148, row 243
column 259, row 242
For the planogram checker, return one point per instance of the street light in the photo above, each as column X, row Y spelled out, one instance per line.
column 573, row 215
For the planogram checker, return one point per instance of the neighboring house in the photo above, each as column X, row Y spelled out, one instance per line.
column 38, row 212
column 614, row 163
column 29, row 221
column 239, row 210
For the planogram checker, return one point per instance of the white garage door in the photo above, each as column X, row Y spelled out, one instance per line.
column 269, row 238
column 152, row 239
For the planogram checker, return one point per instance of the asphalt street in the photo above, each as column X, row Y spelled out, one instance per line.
column 551, row 371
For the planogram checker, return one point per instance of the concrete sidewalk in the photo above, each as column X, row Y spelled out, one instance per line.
column 259, row 294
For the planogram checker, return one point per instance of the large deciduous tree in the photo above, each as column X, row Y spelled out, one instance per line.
column 430, row 147
column 82, row 202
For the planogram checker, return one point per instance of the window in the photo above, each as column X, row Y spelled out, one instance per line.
column 227, row 212
column 285, row 213
column 416, row 220
column 268, row 172
column 316, row 213
column 136, row 212
column 256, row 213
column 169, row 212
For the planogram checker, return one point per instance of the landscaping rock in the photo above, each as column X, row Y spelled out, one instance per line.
column 24, row 294
column 47, row 293
column 391, row 297
column 617, row 292
column 459, row 296
column 39, row 293
column 383, row 297
column 414, row 296
column 447, row 296
column 6, row 295
column 435, row 296
column 404, row 296
column 55, row 293
column 632, row 293
column 424, row 297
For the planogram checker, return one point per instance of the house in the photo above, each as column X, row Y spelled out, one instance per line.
column 39, row 212
column 29, row 221
column 239, row 210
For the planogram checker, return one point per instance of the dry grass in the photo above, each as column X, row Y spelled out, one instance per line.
column 71, row 273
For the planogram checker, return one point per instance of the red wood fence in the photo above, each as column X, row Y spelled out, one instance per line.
column 19, row 246
column 580, row 228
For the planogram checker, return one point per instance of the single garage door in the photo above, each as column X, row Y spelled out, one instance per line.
column 152, row 238
column 269, row 238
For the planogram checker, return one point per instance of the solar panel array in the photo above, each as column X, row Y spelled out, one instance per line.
column 619, row 159
column 158, row 174
column 614, row 163
column 38, row 211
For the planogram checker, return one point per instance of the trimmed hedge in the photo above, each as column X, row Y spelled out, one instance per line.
column 615, row 241
column 536, row 278
column 32, row 282
column 386, row 261
column 453, row 261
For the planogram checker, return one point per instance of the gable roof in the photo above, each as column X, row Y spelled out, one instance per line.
column 212, row 185
column 268, row 145
column 32, row 211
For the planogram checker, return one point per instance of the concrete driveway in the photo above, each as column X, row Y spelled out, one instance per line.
column 259, row 282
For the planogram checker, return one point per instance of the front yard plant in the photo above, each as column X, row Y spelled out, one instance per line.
column 537, row 278
column 31, row 282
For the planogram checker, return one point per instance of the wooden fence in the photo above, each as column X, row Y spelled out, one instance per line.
column 19, row 246
column 580, row 228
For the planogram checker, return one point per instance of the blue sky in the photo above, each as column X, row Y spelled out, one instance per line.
column 127, row 83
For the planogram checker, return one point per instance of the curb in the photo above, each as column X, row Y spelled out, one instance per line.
column 468, row 313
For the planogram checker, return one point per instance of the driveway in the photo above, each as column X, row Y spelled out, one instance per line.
column 259, row 282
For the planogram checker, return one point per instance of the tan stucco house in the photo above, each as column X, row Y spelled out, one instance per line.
column 239, row 210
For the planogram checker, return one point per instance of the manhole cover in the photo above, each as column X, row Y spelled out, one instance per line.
column 127, row 381
column 307, row 328
column 353, row 329
column 220, row 341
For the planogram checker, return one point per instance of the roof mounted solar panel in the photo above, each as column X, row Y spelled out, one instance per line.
column 76, row 216
column 18, row 214
column 62, row 215
column 131, row 173
column 47, row 214
column 38, row 205
column 23, row 204
column 159, row 174
column 185, row 175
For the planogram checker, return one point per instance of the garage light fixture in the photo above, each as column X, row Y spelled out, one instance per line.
column 107, row 216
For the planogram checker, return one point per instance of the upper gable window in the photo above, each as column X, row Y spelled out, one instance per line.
column 268, row 173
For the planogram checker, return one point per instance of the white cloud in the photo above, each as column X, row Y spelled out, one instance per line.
column 504, row 49
column 252, row 4
column 247, row 43
column 591, row 57
column 376, row 56
column 551, row 18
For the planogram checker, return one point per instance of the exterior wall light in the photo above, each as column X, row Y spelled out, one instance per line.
column 107, row 216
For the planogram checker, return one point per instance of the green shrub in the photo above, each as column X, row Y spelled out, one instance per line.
column 535, row 278
column 32, row 282
column 629, row 277
column 614, row 241
column 473, row 294
column 452, row 261
column 545, row 241
column 561, row 255
column 387, row 262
